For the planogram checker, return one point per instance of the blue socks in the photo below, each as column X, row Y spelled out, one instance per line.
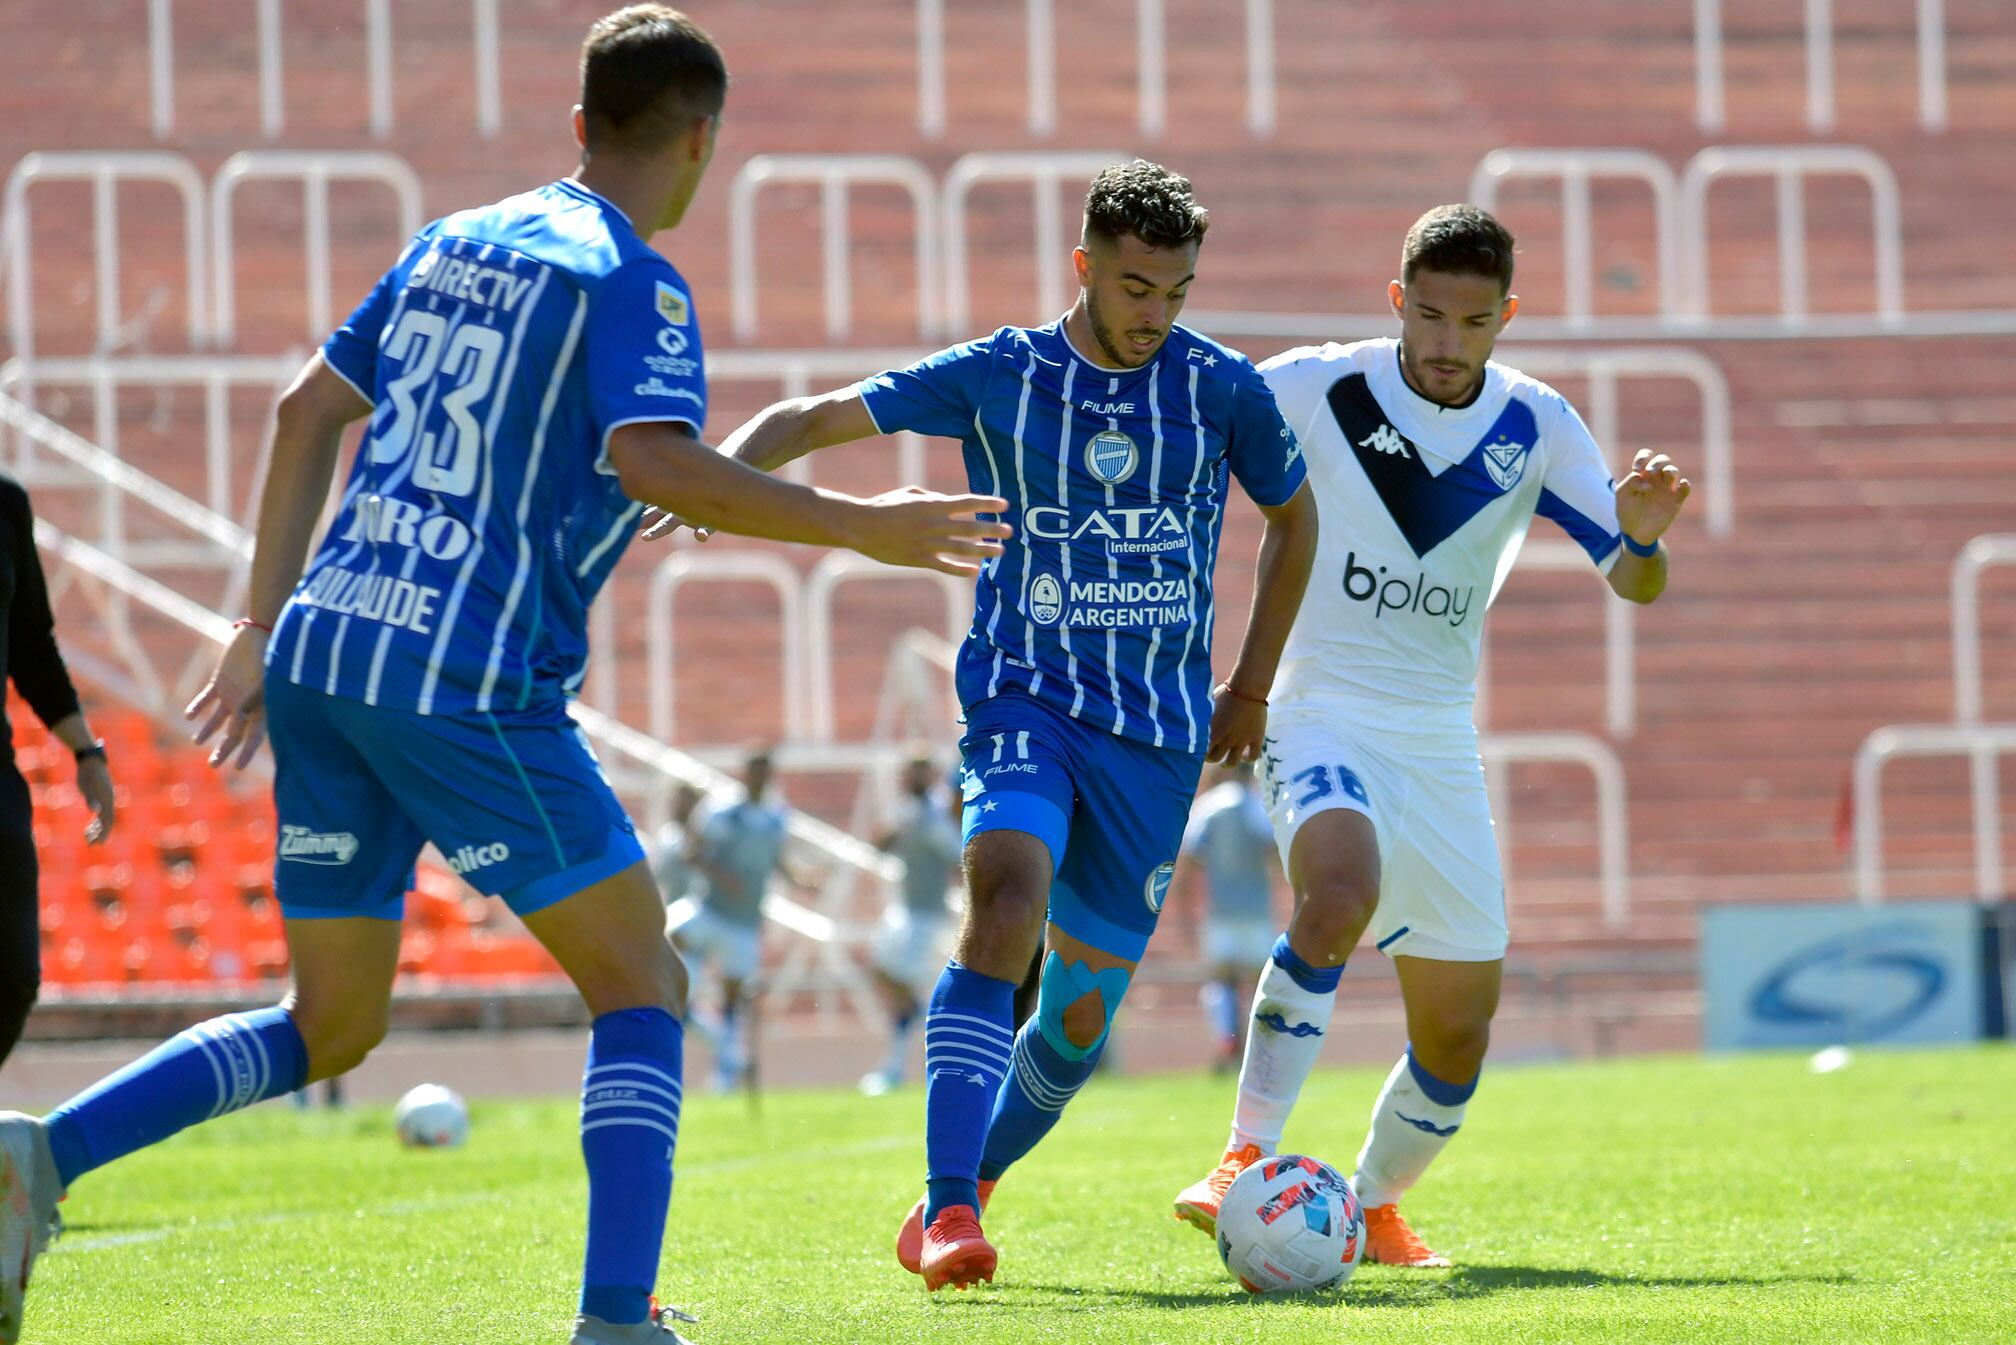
column 967, row 1037
column 1040, row 1083
column 630, row 1095
column 215, row 1067
column 1316, row 980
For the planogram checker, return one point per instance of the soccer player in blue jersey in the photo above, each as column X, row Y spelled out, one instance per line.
column 1086, row 675
column 533, row 375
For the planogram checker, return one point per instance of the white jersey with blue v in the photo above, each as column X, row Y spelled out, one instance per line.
column 482, row 515
column 1116, row 480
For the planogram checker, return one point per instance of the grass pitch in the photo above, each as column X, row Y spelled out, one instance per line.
column 1665, row 1199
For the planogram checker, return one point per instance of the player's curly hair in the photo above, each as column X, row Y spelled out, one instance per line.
column 647, row 74
column 1459, row 240
column 1146, row 200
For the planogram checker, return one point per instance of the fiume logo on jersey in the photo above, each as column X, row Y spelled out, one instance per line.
column 1046, row 600
column 1418, row 595
column 1111, row 456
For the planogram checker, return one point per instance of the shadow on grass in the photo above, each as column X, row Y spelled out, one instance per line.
column 1415, row 1288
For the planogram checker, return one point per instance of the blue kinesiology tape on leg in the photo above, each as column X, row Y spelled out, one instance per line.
column 1062, row 986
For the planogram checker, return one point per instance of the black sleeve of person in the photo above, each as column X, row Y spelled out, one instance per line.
column 32, row 658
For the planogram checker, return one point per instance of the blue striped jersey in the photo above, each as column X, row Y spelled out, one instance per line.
column 1116, row 485
column 482, row 516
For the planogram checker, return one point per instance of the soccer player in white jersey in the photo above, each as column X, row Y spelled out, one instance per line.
column 533, row 375
column 907, row 951
column 1085, row 678
column 1231, row 840
column 1429, row 461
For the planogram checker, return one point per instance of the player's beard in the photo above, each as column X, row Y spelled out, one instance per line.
column 1103, row 334
column 1417, row 375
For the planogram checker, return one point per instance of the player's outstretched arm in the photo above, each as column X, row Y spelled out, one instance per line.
column 1648, row 500
column 663, row 466
column 307, row 436
column 786, row 431
column 1239, row 703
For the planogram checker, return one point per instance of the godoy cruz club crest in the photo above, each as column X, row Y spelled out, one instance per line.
column 1111, row 456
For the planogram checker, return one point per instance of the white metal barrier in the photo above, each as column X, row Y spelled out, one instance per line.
column 1620, row 638
column 377, row 56
column 1989, row 551
column 794, row 372
column 1710, row 113
column 214, row 375
column 1886, row 744
column 1045, row 171
column 841, row 567
column 1791, row 165
column 1576, row 168
column 761, row 567
column 314, row 170
column 1501, row 750
column 1151, row 63
column 834, row 173
column 104, row 171
column 1606, row 367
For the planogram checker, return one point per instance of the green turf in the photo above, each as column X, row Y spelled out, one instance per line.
column 1666, row 1199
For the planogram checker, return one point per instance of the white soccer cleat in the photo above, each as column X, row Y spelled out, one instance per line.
column 28, row 1194
column 655, row 1329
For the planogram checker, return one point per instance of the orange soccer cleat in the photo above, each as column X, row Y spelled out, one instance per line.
column 910, row 1237
column 1197, row 1205
column 1390, row 1242
column 956, row 1252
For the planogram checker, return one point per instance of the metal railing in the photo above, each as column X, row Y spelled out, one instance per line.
column 840, row 567
column 1502, row 750
column 834, row 173
column 1620, row 639
column 1791, row 165
column 1605, row 368
column 1925, row 740
column 1151, row 64
column 377, row 57
column 314, row 170
column 1711, row 115
column 104, row 170
column 1044, row 171
column 686, row 567
column 794, row 371
column 1576, row 168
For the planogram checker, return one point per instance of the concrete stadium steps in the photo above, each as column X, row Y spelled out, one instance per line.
column 1777, row 649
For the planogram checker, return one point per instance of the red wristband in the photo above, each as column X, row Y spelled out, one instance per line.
column 1236, row 694
column 242, row 622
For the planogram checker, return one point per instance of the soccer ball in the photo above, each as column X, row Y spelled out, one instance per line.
column 1290, row 1224
column 432, row 1117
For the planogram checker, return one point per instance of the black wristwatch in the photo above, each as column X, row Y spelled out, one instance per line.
column 96, row 748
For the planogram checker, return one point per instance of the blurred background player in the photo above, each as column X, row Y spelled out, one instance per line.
column 1430, row 461
column 669, row 866
column 736, row 840
column 29, row 655
column 1085, row 677
column 909, row 942
column 416, row 677
column 1229, row 844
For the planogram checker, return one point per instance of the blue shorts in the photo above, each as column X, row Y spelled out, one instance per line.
column 517, row 804
column 1111, row 809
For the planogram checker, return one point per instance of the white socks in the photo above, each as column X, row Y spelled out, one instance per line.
column 1414, row 1118
column 1282, row 1043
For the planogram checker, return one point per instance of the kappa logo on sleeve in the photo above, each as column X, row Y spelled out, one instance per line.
column 672, row 305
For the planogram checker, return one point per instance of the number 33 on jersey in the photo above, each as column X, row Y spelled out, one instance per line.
column 482, row 516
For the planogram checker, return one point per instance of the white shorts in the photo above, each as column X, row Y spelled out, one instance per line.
column 909, row 948
column 1441, row 888
column 1245, row 941
column 735, row 949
